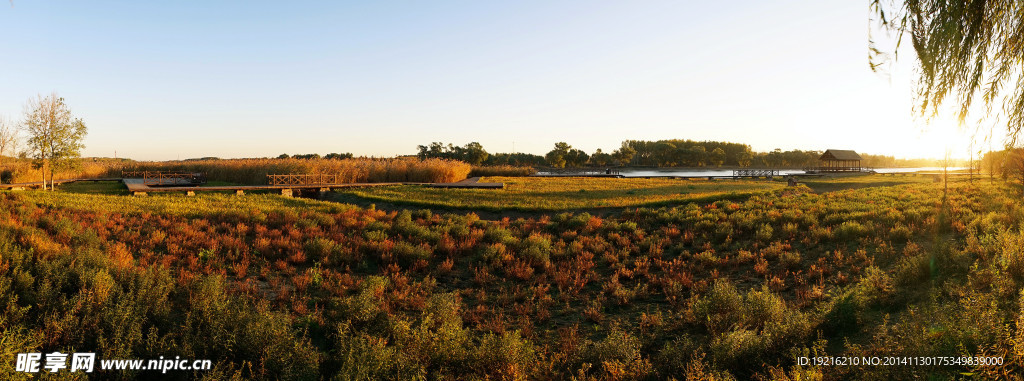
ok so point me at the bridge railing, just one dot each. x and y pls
(304, 179)
(166, 177)
(581, 171)
(838, 169)
(769, 173)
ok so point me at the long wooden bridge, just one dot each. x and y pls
(160, 178)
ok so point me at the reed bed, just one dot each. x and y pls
(23, 170)
(255, 171)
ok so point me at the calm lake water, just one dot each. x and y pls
(728, 172)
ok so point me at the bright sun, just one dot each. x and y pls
(942, 134)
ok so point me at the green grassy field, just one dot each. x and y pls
(94, 187)
(558, 194)
(270, 287)
(831, 184)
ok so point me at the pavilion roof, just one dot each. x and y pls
(840, 154)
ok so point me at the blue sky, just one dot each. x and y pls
(166, 80)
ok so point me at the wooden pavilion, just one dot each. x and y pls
(840, 160)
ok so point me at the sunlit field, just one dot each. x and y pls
(94, 187)
(556, 194)
(363, 191)
(270, 287)
(831, 184)
(357, 170)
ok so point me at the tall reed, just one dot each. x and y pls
(255, 171)
(24, 171)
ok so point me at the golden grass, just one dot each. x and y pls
(23, 171)
(255, 171)
(555, 193)
(831, 184)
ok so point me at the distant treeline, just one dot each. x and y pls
(313, 156)
(660, 153)
(475, 154)
(1008, 163)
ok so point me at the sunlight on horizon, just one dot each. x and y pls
(938, 136)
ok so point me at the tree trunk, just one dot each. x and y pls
(48, 168)
(44, 174)
(945, 182)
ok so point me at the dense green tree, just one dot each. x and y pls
(599, 158)
(473, 153)
(338, 156)
(624, 155)
(1013, 164)
(557, 157)
(576, 158)
(434, 150)
(700, 156)
(685, 156)
(665, 154)
(744, 158)
(716, 157)
(518, 158)
(653, 153)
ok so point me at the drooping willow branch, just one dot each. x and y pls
(965, 50)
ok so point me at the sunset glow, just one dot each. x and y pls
(339, 77)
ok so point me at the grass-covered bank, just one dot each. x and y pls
(283, 288)
(562, 194)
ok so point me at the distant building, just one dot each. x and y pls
(840, 160)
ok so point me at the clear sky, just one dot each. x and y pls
(180, 79)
